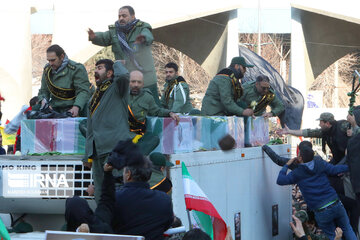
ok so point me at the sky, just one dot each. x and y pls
(273, 20)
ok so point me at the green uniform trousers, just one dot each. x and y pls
(98, 174)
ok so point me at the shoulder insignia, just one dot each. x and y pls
(112, 26)
(139, 23)
(72, 67)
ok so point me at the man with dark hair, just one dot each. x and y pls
(107, 120)
(140, 210)
(131, 41)
(281, 161)
(133, 210)
(142, 104)
(225, 90)
(311, 177)
(33, 102)
(257, 95)
(176, 96)
(196, 234)
(334, 135)
(65, 84)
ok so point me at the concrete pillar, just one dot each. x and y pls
(15, 61)
(232, 37)
(300, 65)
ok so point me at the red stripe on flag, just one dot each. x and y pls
(44, 132)
(194, 203)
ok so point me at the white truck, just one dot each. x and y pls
(240, 183)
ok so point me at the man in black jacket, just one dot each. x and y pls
(333, 134)
(138, 209)
(135, 209)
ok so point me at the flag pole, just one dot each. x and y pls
(188, 214)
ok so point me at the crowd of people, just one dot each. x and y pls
(330, 190)
(126, 92)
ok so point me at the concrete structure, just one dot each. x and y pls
(206, 32)
(201, 32)
(322, 33)
(15, 60)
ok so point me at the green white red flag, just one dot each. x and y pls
(4, 235)
(205, 213)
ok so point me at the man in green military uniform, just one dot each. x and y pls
(107, 122)
(176, 96)
(131, 41)
(257, 95)
(225, 90)
(65, 84)
(158, 180)
(142, 104)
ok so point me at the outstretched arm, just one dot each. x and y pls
(287, 130)
(281, 161)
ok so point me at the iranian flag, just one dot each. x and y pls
(4, 235)
(204, 212)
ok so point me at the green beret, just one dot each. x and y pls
(158, 159)
(241, 61)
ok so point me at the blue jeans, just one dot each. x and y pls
(335, 216)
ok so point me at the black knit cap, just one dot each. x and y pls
(126, 153)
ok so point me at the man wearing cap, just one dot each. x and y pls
(225, 90)
(257, 95)
(142, 104)
(158, 181)
(332, 132)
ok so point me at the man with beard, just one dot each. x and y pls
(131, 41)
(142, 104)
(334, 135)
(107, 117)
(225, 90)
(176, 96)
(257, 95)
(65, 84)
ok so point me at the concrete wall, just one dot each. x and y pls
(15, 60)
(203, 39)
(322, 33)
